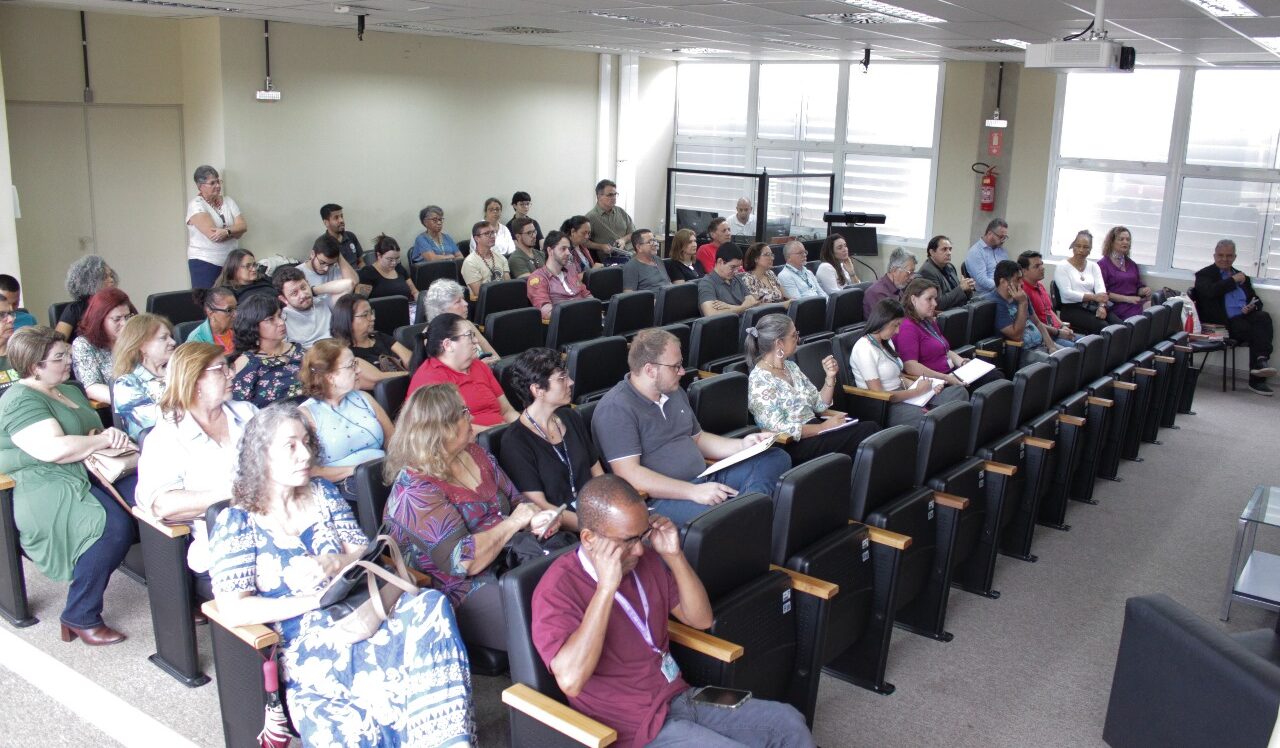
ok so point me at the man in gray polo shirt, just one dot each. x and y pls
(722, 290)
(644, 271)
(646, 431)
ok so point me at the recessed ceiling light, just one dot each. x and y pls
(172, 4)
(701, 51)
(854, 19)
(901, 14)
(632, 19)
(1225, 8)
(1272, 43)
(523, 30)
(1012, 43)
(425, 29)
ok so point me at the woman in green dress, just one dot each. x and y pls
(71, 528)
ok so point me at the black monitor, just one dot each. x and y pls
(861, 239)
(775, 227)
(698, 220)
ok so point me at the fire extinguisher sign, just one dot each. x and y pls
(995, 143)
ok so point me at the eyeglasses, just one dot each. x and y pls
(61, 358)
(369, 313)
(226, 370)
(212, 181)
(464, 413)
(435, 219)
(8, 315)
(561, 377)
(224, 310)
(350, 366)
(678, 366)
(485, 233)
(628, 543)
(325, 262)
(468, 334)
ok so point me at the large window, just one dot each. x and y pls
(877, 132)
(1180, 182)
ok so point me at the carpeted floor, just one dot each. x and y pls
(1030, 669)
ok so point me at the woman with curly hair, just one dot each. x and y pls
(268, 365)
(103, 321)
(275, 551)
(86, 276)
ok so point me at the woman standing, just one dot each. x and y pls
(1085, 302)
(240, 274)
(275, 549)
(876, 366)
(142, 355)
(268, 365)
(1120, 273)
(684, 250)
(86, 276)
(451, 358)
(219, 305)
(108, 312)
(214, 228)
(503, 243)
(836, 271)
(386, 276)
(759, 278)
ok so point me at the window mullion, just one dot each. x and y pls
(753, 117)
(1171, 210)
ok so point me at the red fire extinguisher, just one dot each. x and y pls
(987, 188)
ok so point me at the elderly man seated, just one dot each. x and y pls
(902, 265)
(797, 281)
(1224, 296)
(722, 290)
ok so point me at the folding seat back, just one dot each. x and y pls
(499, 296)
(490, 440)
(55, 311)
(990, 438)
(982, 321)
(410, 336)
(183, 330)
(954, 324)
(1139, 334)
(676, 303)
(1066, 363)
(713, 342)
(585, 412)
(752, 316)
(682, 333)
(499, 370)
(604, 283)
(1033, 415)
(720, 405)
(1117, 350)
(844, 310)
(1097, 385)
(515, 331)
(1167, 375)
(810, 317)
(371, 496)
(860, 403)
(629, 312)
(1144, 376)
(426, 273)
(573, 322)
(177, 306)
(813, 265)
(389, 313)
(809, 356)
(1071, 401)
(1033, 386)
(1182, 388)
(595, 366)
(390, 393)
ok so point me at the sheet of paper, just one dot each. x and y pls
(973, 371)
(847, 423)
(736, 457)
(927, 395)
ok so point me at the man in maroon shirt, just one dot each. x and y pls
(600, 625)
(1032, 264)
(556, 282)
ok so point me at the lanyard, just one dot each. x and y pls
(876, 342)
(641, 625)
(564, 458)
(928, 326)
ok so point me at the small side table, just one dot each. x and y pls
(1258, 582)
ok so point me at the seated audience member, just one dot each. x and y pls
(723, 290)
(902, 265)
(329, 274)
(526, 257)
(1014, 318)
(445, 295)
(684, 248)
(876, 365)
(1224, 296)
(451, 359)
(219, 304)
(549, 455)
(214, 227)
(1120, 273)
(103, 321)
(520, 204)
(923, 348)
(782, 399)
(242, 275)
(378, 355)
(86, 276)
(611, 227)
(556, 282)
(8, 375)
(433, 243)
(190, 457)
(797, 281)
(350, 426)
(385, 276)
(452, 510)
(503, 243)
(1085, 302)
(578, 229)
(305, 321)
(600, 626)
(663, 456)
(408, 683)
(73, 529)
(140, 371)
(743, 221)
(267, 367)
(718, 231)
(11, 291)
(645, 271)
(836, 271)
(953, 291)
(759, 278)
(337, 237)
(483, 265)
(985, 254)
(1032, 264)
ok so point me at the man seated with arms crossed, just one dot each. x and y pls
(722, 290)
(721, 235)
(646, 431)
(644, 271)
(329, 273)
(611, 227)
(798, 281)
(902, 265)
(1014, 319)
(556, 282)
(1032, 264)
(336, 235)
(600, 625)
(953, 291)
(305, 321)
(1224, 296)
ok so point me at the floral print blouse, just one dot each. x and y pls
(266, 379)
(434, 521)
(136, 396)
(768, 291)
(782, 407)
(91, 364)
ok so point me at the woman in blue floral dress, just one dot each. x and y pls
(267, 369)
(275, 550)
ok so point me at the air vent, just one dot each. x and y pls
(799, 45)
(529, 30)
(701, 51)
(854, 19)
(897, 13)
(633, 19)
(185, 6)
(424, 29)
(987, 49)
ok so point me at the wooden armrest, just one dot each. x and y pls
(704, 374)
(98, 405)
(1144, 372)
(1102, 401)
(809, 585)
(479, 327)
(1070, 420)
(885, 537)
(1183, 348)
(1038, 443)
(1012, 343)
(872, 394)
(782, 439)
(1126, 386)
(559, 717)
(999, 467)
(255, 634)
(6, 482)
(950, 500)
(983, 352)
(702, 642)
(546, 321)
(1164, 359)
(1197, 336)
(169, 531)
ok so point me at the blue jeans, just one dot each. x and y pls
(766, 724)
(203, 274)
(93, 569)
(756, 475)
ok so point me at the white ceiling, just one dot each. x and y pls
(1164, 32)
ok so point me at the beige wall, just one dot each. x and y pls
(9, 260)
(956, 190)
(658, 104)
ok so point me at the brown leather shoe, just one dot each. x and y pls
(98, 636)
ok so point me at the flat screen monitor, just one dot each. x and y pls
(861, 239)
(698, 220)
(775, 227)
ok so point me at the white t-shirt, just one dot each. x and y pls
(870, 361)
(742, 229)
(503, 242)
(315, 279)
(1073, 284)
(201, 247)
(828, 278)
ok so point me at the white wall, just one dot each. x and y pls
(10, 262)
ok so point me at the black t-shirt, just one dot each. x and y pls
(72, 313)
(684, 272)
(349, 247)
(533, 464)
(259, 286)
(380, 354)
(383, 286)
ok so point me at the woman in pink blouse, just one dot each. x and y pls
(1120, 273)
(920, 342)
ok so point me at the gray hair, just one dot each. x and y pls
(786, 249)
(204, 172)
(1225, 243)
(900, 259)
(430, 210)
(248, 491)
(995, 223)
(87, 275)
(440, 295)
(768, 331)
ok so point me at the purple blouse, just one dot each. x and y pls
(928, 346)
(1124, 282)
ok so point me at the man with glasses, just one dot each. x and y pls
(527, 257)
(985, 254)
(305, 321)
(600, 626)
(645, 428)
(797, 281)
(556, 282)
(611, 227)
(336, 235)
(483, 265)
(1224, 296)
(722, 290)
(8, 375)
(644, 271)
(328, 273)
(520, 204)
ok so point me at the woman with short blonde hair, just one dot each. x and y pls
(139, 362)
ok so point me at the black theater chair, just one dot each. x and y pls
(863, 404)
(713, 344)
(515, 331)
(390, 313)
(982, 334)
(676, 303)
(810, 317)
(499, 296)
(426, 273)
(390, 393)
(629, 312)
(752, 316)
(1033, 415)
(1116, 364)
(595, 366)
(604, 283)
(1072, 403)
(13, 582)
(410, 336)
(844, 310)
(183, 330)
(1188, 374)
(991, 439)
(954, 324)
(573, 322)
(1145, 377)
(809, 356)
(1097, 384)
(55, 311)
(720, 405)
(177, 306)
(1165, 364)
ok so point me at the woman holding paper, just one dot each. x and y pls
(782, 399)
(924, 350)
(876, 365)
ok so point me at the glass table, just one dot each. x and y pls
(1258, 581)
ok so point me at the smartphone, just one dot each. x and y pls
(559, 511)
(725, 698)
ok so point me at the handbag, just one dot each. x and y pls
(111, 465)
(356, 602)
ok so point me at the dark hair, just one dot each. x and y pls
(553, 238)
(384, 244)
(572, 224)
(329, 209)
(228, 275)
(327, 249)
(520, 196)
(9, 284)
(599, 496)
(93, 323)
(488, 201)
(728, 252)
(205, 296)
(828, 255)
(533, 367)
(753, 255)
(932, 246)
(1024, 259)
(1006, 270)
(477, 227)
(252, 310)
(884, 312)
(604, 184)
(637, 236)
(519, 224)
(995, 223)
(286, 274)
(440, 329)
(343, 316)
(715, 223)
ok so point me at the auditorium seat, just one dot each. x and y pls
(991, 439)
(809, 356)
(1120, 369)
(861, 403)
(1073, 409)
(572, 322)
(954, 324)
(390, 393)
(752, 317)
(720, 405)
(183, 330)
(13, 583)
(410, 336)
(844, 310)
(390, 313)
(426, 273)
(676, 303)
(55, 311)
(629, 312)
(810, 318)
(1095, 381)
(713, 343)
(499, 296)
(595, 366)
(515, 331)
(177, 306)
(604, 283)
(1033, 415)
(1145, 377)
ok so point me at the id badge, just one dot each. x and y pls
(669, 667)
